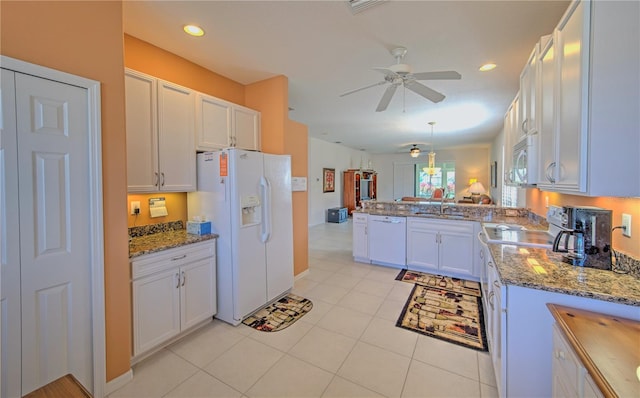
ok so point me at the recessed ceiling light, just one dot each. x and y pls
(487, 67)
(193, 30)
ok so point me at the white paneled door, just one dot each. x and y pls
(46, 275)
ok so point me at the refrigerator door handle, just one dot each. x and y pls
(266, 209)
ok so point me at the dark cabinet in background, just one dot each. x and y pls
(358, 185)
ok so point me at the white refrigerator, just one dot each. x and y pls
(247, 197)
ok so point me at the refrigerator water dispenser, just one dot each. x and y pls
(251, 211)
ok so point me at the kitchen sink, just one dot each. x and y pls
(504, 227)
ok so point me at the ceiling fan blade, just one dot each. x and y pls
(430, 94)
(442, 75)
(363, 88)
(386, 97)
(390, 75)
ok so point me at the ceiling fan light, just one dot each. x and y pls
(414, 152)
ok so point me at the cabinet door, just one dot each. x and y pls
(142, 132)
(246, 128)
(546, 114)
(177, 152)
(572, 56)
(360, 237)
(213, 123)
(156, 309)
(197, 292)
(456, 253)
(422, 249)
(527, 98)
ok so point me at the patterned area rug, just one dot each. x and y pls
(439, 281)
(445, 314)
(280, 314)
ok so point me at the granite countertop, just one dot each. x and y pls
(155, 242)
(544, 270)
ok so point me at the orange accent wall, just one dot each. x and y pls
(283, 136)
(271, 98)
(176, 207)
(85, 39)
(296, 144)
(147, 58)
(630, 246)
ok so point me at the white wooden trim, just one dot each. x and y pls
(118, 382)
(301, 275)
(96, 221)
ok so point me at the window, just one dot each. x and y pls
(445, 177)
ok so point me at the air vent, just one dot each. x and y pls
(358, 6)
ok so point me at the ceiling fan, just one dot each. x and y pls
(400, 74)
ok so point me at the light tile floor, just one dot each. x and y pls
(347, 346)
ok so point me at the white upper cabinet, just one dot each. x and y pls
(590, 96)
(529, 93)
(222, 124)
(160, 135)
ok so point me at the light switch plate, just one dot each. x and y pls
(626, 222)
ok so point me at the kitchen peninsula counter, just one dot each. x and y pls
(544, 270)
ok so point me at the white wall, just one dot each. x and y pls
(472, 162)
(323, 154)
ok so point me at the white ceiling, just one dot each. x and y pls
(325, 50)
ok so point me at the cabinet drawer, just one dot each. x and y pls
(361, 218)
(166, 259)
(464, 227)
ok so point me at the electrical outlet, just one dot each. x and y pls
(626, 222)
(135, 205)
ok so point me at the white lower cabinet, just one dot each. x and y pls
(442, 246)
(570, 378)
(173, 291)
(360, 238)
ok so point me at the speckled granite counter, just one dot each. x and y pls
(544, 270)
(154, 238)
(164, 240)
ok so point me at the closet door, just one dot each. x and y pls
(54, 210)
(10, 242)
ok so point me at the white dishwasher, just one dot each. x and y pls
(387, 240)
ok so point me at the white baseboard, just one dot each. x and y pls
(301, 275)
(118, 382)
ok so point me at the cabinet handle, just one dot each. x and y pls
(178, 280)
(162, 174)
(496, 284)
(184, 278)
(560, 355)
(481, 254)
(157, 184)
(548, 172)
(490, 263)
(365, 231)
(523, 126)
(491, 300)
(179, 257)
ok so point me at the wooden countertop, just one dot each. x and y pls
(608, 347)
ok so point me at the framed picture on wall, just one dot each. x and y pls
(328, 180)
(494, 174)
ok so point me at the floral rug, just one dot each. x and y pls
(445, 314)
(280, 314)
(444, 282)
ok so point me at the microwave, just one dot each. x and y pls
(524, 164)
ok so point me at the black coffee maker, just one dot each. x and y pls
(585, 237)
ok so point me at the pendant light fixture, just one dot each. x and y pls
(415, 151)
(432, 169)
